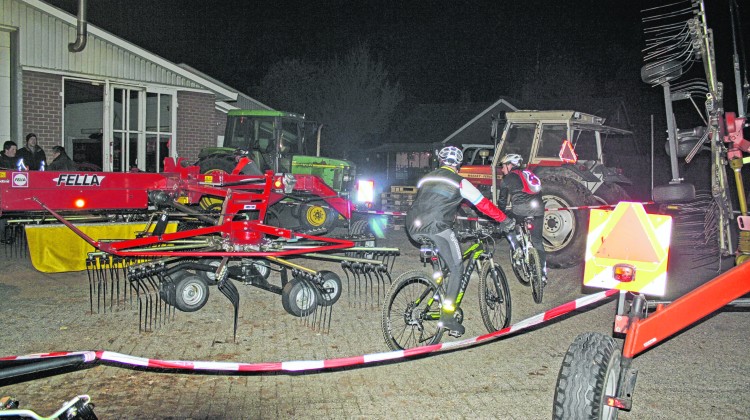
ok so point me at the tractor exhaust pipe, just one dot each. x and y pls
(81, 31)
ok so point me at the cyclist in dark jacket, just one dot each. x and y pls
(432, 216)
(522, 190)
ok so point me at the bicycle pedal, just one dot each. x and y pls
(455, 334)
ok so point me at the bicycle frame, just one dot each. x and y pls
(470, 260)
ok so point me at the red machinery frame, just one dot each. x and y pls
(57, 192)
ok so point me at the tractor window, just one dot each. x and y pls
(552, 139)
(290, 137)
(584, 144)
(518, 139)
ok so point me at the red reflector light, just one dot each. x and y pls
(614, 402)
(529, 226)
(623, 272)
(80, 203)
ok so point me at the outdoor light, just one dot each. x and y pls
(365, 191)
(80, 203)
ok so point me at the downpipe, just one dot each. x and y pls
(81, 29)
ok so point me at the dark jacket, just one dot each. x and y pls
(436, 204)
(32, 158)
(62, 163)
(7, 162)
(524, 190)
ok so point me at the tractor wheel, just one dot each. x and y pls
(191, 293)
(589, 372)
(610, 193)
(565, 230)
(216, 165)
(317, 215)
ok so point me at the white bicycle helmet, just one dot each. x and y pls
(512, 159)
(451, 156)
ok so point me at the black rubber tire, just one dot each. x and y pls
(299, 298)
(495, 303)
(216, 164)
(332, 282)
(210, 276)
(611, 193)
(565, 231)
(401, 329)
(359, 227)
(190, 293)
(535, 276)
(673, 193)
(590, 370)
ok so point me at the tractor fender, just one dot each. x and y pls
(566, 171)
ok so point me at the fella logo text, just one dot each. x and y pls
(79, 180)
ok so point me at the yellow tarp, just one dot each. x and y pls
(56, 249)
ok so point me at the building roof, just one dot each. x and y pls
(43, 47)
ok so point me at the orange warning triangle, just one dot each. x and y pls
(627, 239)
(567, 154)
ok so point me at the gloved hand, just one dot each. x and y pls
(506, 225)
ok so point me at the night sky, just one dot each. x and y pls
(438, 51)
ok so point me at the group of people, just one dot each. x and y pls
(31, 157)
(439, 195)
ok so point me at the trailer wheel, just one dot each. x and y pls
(589, 372)
(331, 288)
(299, 297)
(565, 230)
(191, 293)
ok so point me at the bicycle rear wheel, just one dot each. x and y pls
(535, 275)
(517, 265)
(411, 312)
(494, 297)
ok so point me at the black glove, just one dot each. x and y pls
(506, 225)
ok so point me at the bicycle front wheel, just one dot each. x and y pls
(494, 297)
(411, 312)
(534, 267)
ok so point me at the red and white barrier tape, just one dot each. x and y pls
(308, 365)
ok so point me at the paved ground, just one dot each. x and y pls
(702, 373)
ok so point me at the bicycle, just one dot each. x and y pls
(412, 310)
(524, 258)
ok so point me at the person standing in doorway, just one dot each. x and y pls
(32, 154)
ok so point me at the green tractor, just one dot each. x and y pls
(278, 141)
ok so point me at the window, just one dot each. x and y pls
(553, 136)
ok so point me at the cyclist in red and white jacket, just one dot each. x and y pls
(522, 190)
(432, 215)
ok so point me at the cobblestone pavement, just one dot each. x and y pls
(701, 373)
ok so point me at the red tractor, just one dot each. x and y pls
(565, 149)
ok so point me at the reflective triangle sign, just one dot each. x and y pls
(628, 235)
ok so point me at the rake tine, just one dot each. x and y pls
(228, 289)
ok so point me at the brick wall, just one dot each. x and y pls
(42, 109)
(196, 123)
